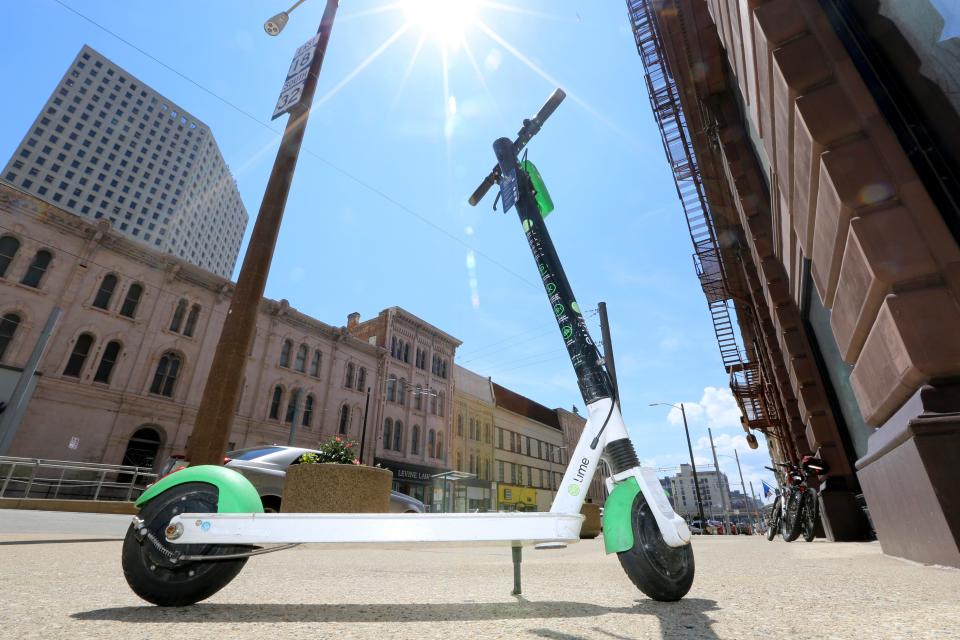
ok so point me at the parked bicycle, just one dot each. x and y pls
(796, 508)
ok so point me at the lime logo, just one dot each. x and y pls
(575, 306)
(543, 268)
(567, 331)
(527, 224)
(558, 309)
(573, 490)
(551, 288)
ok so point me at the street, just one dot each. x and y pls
(59, 586)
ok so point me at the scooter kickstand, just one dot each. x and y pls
(517, 553)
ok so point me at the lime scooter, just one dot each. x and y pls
(197, 528)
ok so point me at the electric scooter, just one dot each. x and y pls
(197, 527)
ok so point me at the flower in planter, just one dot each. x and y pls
(337, 450)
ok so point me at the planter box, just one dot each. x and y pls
(336, 488)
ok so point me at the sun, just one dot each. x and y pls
(444, 20)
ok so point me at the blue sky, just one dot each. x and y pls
(377, 215)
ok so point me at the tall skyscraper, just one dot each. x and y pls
(108, 146)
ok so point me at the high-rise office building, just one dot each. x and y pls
(105, 145)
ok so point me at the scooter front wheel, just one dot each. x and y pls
(149, 566)
(662, 572)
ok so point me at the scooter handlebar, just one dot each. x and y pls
(530, 129)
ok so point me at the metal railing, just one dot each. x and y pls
(64, 479)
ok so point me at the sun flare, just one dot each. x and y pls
(445, 20)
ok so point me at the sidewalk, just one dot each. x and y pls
(745, 588)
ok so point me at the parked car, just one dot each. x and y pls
(695, 529)
(709, 529)
(743, 528)
(266, 468)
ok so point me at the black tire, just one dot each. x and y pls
(662, 572)
(790, 524)
(149, 572)
(809, 514)
(774, 524)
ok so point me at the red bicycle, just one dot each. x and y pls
(796, 508)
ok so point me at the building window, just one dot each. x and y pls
(432, 443)
(300, 364)
(344, 420)
(107, 360)
(387, 433)
(165, 378)
(8, 327)
(441, 454)
(459, 461)
(486, 433)
(81, 349)
(460, 425)
(132, 299)
(433, 402)
(392, 388)
(177, 321)
(315, 364)
(361, 378)
(415, 440)
(397, 435)
(418, 398)
(8, 249)
(285, 353)
(275, 402)
(293, 405)
(307, 411)
(406, 352)
(402, 391)
(105, 292)
(34, 274)
(348, 379)
(191, 325)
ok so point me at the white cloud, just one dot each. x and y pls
(716, 409)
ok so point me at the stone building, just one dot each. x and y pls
(414, 407)
(107, 146)
(124, 371)
(472, 444)
(815, 150)
(714, 492)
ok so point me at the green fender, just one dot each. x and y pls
(618, 516)
(236, 494)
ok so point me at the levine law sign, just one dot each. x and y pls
(292, 91)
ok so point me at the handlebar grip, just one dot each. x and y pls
(481, 191)
(550, 105)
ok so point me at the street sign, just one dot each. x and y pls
(74, 443)
(292, 90)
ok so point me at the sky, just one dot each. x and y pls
(411, 96)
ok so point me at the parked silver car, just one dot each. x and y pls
(266, 468)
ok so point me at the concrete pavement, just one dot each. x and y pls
(745, 588)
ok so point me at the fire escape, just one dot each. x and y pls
(746, 376)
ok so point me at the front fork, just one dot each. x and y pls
(605, 430)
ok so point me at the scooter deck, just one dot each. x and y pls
(373, 528)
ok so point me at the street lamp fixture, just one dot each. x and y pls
(275, 25)
(693, 465)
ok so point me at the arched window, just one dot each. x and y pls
(387, 433)
(432, 443)
(441, 407)
(315, 363)
(397, 435)
(8, 250)
(392, 388)
(418, 398)
(293, 406)
(361, 378)
(275, 402)
(440, 452)
(8, 327)
(402, 391)
(460, 424)
(433, 402)
(165, 378)
(415, 440)
(472, 428)
(109, 358)
(285, 353)
(177, 321)
(81, 349)
(393, 346)
(142, 449)
(406, 352)
(300, 364)
(105, 292)
(344, 420)
(307, 411)
(131, 300)
(348, 379)
(191, 325)
(37, 268)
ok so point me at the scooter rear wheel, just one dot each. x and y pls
(662, 572)
(149, 570)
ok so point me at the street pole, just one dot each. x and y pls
(753, 496)
(716, 465)
(363, 431)
(214, 420)
(693, 466)
(749, 515)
